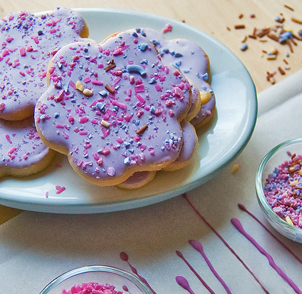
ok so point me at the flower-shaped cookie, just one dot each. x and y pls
(113, 108)
(22, 152)
(193, 62)
(28, 43)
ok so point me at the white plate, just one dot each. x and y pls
(219, 143)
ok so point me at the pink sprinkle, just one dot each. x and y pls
(71, 119)
(128, 117)
(46, 194)
(2, 106)
(65, 135)
(119, 140)
(8, 138)
(83, 133)
(87, 79)
(59, 126)
(72, 84)
(118, 51)
(139, 88)
(140, 99)
(5, 52)
(121, 105)
(11, 150)
(84, 119)
(167, 28)
(60, 189)
(36, 39)
(52, 31)
(22, 51)
(9, 39)
(22, 73)
(96, 82)
(60, 96)
(158, 88)
(95, 156)
(100, 162)
(105, 151)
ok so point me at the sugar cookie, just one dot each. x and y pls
(113, 108)
(193, 62)
(22, 152)
(28, 44)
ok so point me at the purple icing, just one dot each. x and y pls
(24, 64)
(115, 107)
(20, 145)
(191, 60)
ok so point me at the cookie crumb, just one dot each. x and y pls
(235, 168)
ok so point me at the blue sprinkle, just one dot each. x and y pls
(177, 64)
(243, 47)
(178, 55)
(136, 68)
(152, 81)
(127, 160)
(127, 145)
(100, 106)
(57, 115)
(152, 109)
(205, 76)
(144, 61)
(59, 65)
(166, 50)
(143, 47)
(103, 93)
(134, 34)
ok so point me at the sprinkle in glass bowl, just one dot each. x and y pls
(279, 188)
(117, 279)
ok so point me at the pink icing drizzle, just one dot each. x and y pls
(197, 245)
(236, 223)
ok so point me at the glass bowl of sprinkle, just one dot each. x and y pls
(96, 279)
(279, 188)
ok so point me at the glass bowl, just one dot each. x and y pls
(101, 274)
(267, 168)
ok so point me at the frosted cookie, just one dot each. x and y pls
(138, 180)
(113, 108)
(193, 62)
(28, 44)
(22, 152)
(190, 144)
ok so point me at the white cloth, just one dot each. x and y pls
(37, 247)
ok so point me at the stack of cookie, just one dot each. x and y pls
(121, 110)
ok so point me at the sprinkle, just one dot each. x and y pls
(103, 93)
(298, 21)
(105, 124)
(239, 26)
(109, 89)
(167, 28)
(136, 69)
(235, 168)
(22, 51)
(243, 47)
(142, 130)
(111, 171)
(60, 189)
(205, 97)
(79, 86)
(88, 93)
(110, 65)
(288, 7)
(2, 106)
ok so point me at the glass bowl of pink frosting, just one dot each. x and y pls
(96, 279)
(279, 188)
